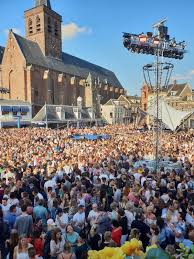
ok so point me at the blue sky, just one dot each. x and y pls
(92, 30)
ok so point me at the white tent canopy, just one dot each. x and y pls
(171, 117)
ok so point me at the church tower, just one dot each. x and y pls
(43, 25)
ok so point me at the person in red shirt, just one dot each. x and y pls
(116, 232)
(37, 242)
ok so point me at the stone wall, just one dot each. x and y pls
(14, 73)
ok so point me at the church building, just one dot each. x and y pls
(36, 70)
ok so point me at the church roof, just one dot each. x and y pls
(1, 53)
(69, 64)
(43, 2)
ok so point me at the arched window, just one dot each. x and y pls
(30, 26)
(56, 29)
(38, 23)
(49, 25)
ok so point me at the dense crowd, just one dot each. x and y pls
(61, 197)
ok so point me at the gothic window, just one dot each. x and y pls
(49, 25)
(37, 23)
(56, 29)
(30, 26)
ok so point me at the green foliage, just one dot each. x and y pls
(184, 252)
(192, 249)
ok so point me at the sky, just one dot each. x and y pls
(92, 30)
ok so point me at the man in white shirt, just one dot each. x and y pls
(5, 206)
(93, 214)
(129, 214)
(37, 195)
(182, 186)
(79, 218)
(61, 220)
(50, 183)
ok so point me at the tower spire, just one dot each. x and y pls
(43, 2)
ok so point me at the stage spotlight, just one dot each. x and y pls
(156, 41)
(149, 34)
(142, 38)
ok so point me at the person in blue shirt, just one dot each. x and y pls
(11, 216)
(190, 241)
(41, 212)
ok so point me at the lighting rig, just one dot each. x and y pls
(150, 44)
(156, 75)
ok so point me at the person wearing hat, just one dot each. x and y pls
(50, 224)
(61, 220)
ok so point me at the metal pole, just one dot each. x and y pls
(46, 116)
(18, 122)
(157, 114)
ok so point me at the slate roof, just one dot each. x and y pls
(178, 88)
(1, 53)
(52, 115)
(69, 64)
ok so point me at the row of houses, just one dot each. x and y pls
(179, 96)
(115, 111)
(123, 110)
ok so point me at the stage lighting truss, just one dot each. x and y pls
(164, 73)
(150, 45)
(156, 75)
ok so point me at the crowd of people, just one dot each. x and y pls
(61, 197)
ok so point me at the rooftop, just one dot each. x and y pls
(69, 64)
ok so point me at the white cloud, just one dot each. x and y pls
(15, 30)
(71, 30)
(187, 76)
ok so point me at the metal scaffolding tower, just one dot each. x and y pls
(156, 75)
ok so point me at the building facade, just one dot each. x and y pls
(179, 96)
(132, 104)
(36, 70)
(113, 112)
(123, 110)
